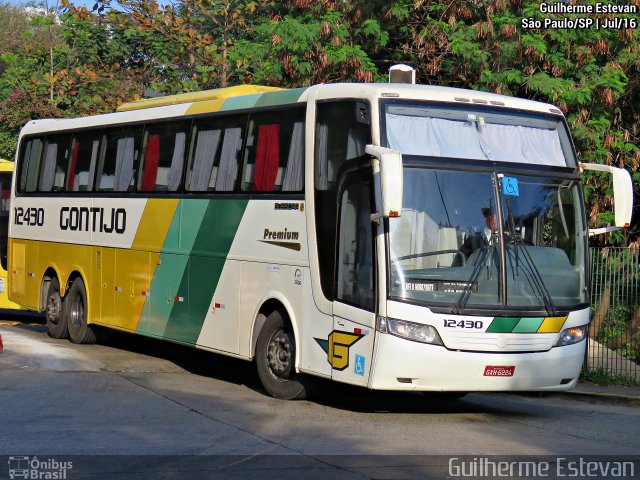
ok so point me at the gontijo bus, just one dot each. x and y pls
(393, 236)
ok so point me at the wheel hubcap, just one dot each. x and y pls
(280, 354)
(77, 312)
(53, 309)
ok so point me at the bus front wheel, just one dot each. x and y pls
(75, 309)
(275, 359)
(56, 320)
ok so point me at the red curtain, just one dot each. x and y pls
(267, 158)
(151, 164)
(72, 169)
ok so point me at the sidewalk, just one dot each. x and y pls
(613, 394)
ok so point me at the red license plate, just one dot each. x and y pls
(499, 371)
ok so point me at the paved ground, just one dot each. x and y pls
(135, 396)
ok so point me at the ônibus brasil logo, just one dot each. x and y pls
(35, 468)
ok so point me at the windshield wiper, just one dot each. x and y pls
(532, 274)
(460, 305)
(537, 282)
(534, 278)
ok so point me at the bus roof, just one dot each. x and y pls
(244, 97)
(216, 94)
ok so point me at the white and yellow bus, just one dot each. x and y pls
(393, 236)
(6, 172)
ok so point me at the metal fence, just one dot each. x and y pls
(614, 331)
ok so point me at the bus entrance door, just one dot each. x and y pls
(351, 342)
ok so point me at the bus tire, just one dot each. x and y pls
(75, 309)
(275, 360)
(54, 310)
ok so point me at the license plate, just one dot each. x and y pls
(499, 371)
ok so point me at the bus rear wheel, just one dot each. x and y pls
(275, 359)
(75, 309)
(56, 320)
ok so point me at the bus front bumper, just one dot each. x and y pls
(406, 365)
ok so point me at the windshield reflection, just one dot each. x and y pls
(446, 248)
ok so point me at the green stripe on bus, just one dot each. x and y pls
(166, 279)
(192, 215)
(164, 288)
(503, 325)
(172, 272)
(206, 261)
(238, 103)
(280, 98)
(528, 325)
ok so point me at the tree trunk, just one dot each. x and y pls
(223, 74)
(601, 312)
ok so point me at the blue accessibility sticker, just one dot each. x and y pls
(510, 186)
(358, 368)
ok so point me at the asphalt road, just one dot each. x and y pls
(132, 396)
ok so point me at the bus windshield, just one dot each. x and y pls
(446, 248)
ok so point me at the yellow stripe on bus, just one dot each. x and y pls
(552, 324)
(221, 93)
(208, 106)
(154, 224)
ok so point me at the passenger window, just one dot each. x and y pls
(31, 157)
(164, 153)
(215, 154)
(85, 150)
(57, 152)
(274, 154)
(120, 161)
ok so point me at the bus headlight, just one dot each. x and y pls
(417, 332)
(572, 335)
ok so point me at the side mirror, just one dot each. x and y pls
(622, 194)
(389, 166)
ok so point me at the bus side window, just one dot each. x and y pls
(120, 162)
(274, 157)
(215, 154)
(85, 149)
(56, 159)
(341, 135)
(164, 152)
(31, 157)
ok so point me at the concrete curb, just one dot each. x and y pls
(602, 397)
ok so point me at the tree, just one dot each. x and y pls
(591, 74)
(70, 73)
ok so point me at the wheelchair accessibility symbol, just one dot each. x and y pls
(358, 368)
(510, 186)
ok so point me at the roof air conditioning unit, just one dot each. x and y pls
(402, 74)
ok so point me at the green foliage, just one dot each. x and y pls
(614, 332)
(602, 376)
(19, 107)
(8, 143)
(616, 273)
